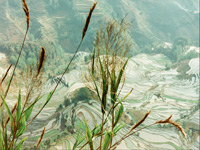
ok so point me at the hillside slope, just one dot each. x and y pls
(61, 21)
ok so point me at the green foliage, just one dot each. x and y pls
(107, 140)
(66, 101)
(105, 87)
(107, 71)
(176, 53)
(30, 61)
(21, 126)
(28, 110)
(118, 127)
(18, 123)
(89, 136)
(31, 53)
(19, 145)
(181, 41)
(19, 103)
(1, 139)
(7, 109)
(13, 59)
(96, 129)
(78, 137)
(106, 74)
(189, 55)
(119, 114)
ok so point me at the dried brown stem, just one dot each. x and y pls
(127, 135)
(5, 74)
(139, 122)
(178, 126)
(83, 146)
(172, 123)
(39, 141)
(58, 81)
(16, 64)
(132, 128)
(164, 121)
(157, 122)
(14, 108)
(84, 32)
(26, 10)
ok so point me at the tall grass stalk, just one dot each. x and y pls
(20, 113)
(107, 78)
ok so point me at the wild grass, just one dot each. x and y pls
(17, 119)
(106, 76)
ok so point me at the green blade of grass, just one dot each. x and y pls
(19, 145)
(105, 87)
(18, 113)
(118, 127)
(89, 136)
(103, 72)
(96, 130)
(46, 102)
(126, 95)
(7, 109)
(22, 127)
(1, 139)
(107, 140)
(120, 74)
(119, 114)
(96, 87)
(77, 137)
(28, 111)
(81, 140)
(112, 89)
(48, 99)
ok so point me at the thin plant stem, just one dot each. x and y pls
(8, 87)
(83, 146)
(112, 127)
(113, 107)
(58, 80)
(102, 129)
(24, 107)
(88, 142)
(6, 74)
(129, 134)
(16, 64)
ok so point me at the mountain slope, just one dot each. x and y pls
(61, 21)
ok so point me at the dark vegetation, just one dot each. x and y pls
(56, 56)
(176, 53)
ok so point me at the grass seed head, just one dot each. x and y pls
(87, 22)
(41, 60)
(26, 10)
